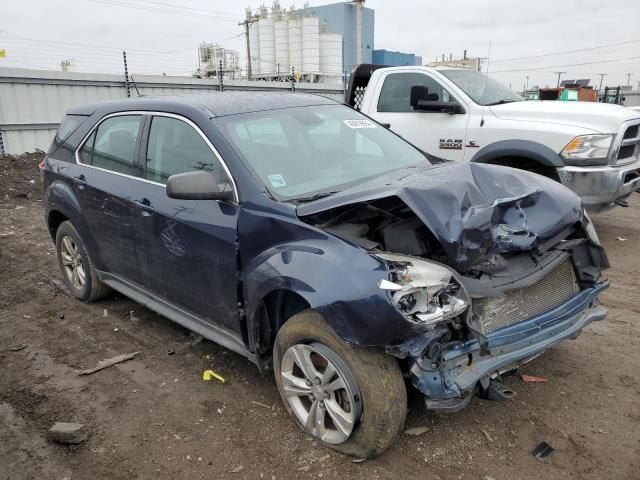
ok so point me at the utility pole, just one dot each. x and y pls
(293, 79)
(220, 75)
(247, 22)
(639, 85)
(126, 74)
(558, 73)
(602, 75)
(526, 85)
(628, 79)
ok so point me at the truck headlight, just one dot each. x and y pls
(588, 150)
(424, 290)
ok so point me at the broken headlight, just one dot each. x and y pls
(426, 291)
(590, 229)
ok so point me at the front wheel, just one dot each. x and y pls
(351, 399)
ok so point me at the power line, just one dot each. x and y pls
(565, 65)
(566, 51)
(121, 3)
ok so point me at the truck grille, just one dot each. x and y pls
(629, 149)
(523, 303)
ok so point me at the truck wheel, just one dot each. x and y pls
(352, 399)
(77, 269)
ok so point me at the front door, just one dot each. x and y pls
(104, 179)
(439, 134)
(186, 248)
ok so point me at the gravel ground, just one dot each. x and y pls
(154, 416)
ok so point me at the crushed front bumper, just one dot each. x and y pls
(601, 187)
(448, 384)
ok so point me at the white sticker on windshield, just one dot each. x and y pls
(359, 124)
(277, 181)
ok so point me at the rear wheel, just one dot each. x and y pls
(352, 399)
(77, 269)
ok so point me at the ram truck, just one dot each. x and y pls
(463, 115)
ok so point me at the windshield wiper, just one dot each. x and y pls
(500, 102)
(317, 196)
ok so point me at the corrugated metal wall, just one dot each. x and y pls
(32, 102)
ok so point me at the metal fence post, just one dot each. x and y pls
(220, 76)
(293, 79)
(2, 152)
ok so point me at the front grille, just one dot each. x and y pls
(631, 132)
(626, 152)
(629, 149)
(523, 303)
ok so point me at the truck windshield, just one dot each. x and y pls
(482, 89)
(304, 153)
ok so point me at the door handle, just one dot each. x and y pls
(80, 180)
(145, 206)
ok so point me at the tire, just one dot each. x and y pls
(86, 287)
(379, 387)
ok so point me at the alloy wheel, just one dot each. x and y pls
(321, 391)
(72, 262)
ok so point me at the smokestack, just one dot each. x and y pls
(359, 31)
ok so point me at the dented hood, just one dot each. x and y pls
(474, 210)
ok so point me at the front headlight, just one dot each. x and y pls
(588, 150)
(590, 229)
(425, 291)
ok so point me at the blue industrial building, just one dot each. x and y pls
(341, 18)
(395, 59)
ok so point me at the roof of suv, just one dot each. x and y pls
(218, 103)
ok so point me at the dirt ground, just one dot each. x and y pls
(154, 416)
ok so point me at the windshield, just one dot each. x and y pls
(482, 89)
(306, 152)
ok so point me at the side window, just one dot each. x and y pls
(396, 91)
(112, 146)
(175, 147)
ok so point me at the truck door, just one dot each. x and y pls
(437, 133)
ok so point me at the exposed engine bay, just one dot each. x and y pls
(507, 286)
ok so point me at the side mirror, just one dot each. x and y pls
(421, 100)
(198, 185)
(437, 106)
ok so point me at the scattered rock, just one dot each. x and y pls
(18, 347)
(416, 431)
(486, 434)
(304, 469)
(237, 469)
(67, 433)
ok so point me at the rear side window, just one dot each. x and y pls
(69, 125)
(113, 145)
(176, 147)
(395, 95)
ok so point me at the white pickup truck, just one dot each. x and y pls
(463, 115)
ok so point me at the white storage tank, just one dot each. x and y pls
(267, 46)
(310, 44)
(295, 43)
(331, 53)
(281, 28)
(254, 45)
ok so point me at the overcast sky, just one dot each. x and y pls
(163, 35)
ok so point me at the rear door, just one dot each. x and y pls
(106, 175)
(437, 133)
(186, 248)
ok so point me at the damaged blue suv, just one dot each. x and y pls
(310, 239)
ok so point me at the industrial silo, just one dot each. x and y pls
(281, 27)
(295, 43)
(267, 46)
(310, 44)
(331, 54)
(254, 45)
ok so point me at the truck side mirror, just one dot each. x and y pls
(421, 100)
(198, 185)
